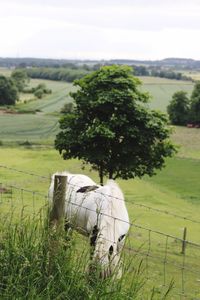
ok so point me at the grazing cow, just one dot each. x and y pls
(100, 213)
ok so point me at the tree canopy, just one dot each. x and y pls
(20, 79)
(179, 108)
(8, 91)
(195, 103)
(182, 109)
(112, 128)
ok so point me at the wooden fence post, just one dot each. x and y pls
(57, 218)
(184, 240)
(57, 213)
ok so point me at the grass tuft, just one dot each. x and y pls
(38, 263)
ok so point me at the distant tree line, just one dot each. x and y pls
(69, 74)
(35, 62)
(184, 110)
(159, 72)
(69, 70)
(58, 74)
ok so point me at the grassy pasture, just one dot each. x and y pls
(5, 71)
(164, 191)
(50, 103)
(193, 74)
(23, 98)
(27, 127)
(162, 89)
(188, 140)
(40, 128)
(170, 190)
(175, 189)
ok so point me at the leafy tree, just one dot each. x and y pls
(140, 70)
(40, 90)
(179, 108)
(67, 108)
(8, 91)
(112, 129)
(39, 93)
(20, 78)
(195, 103)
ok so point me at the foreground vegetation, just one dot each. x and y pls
(36, 263)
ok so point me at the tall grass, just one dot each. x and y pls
(38, 263)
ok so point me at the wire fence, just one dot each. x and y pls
(162, 254)
(130, 202)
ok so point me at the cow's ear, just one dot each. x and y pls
(121, 237)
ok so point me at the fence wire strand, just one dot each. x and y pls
(107, 215)
(148, 254)
(127, 201)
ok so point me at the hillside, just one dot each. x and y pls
(177, 63)
(42, 126)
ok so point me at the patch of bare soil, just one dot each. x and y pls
(4, 190)
(7, 112)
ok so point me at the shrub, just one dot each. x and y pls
(20, 79)
(67, 108)
(8, 91)
(39, 93)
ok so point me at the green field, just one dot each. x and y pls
(162, 89)
(193, 74)
(27, 127)
(43, 126)
(40, 126)
(5, 71)
(50, 103)
(174, 190)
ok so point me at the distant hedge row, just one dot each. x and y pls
(58, 74)
(69, 74)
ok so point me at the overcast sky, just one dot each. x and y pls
(100, 29)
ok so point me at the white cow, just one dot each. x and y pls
(99, 212)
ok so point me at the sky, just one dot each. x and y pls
(100, 29)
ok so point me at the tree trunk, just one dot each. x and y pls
(101, 174)
(110, 174)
